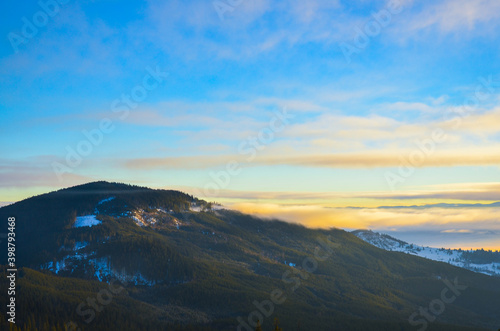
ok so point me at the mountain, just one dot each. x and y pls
(110, 256)
(486, 262)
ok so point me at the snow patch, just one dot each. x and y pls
(104, 271)
(105, 200)
(80, 244)
(88, 220)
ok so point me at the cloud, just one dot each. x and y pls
(35, 172)
(311, 11)
(70, 43)
(461, 191)
(460, 195)
(467, 195)
(456, 15)
(411, 106)
(482, 124)
(250, 29)
(282, 196)
(366, 160)
(438, 219)
(323, 128)
(457, 231)
(182, 162)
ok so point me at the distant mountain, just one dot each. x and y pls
(486, 262)
(186, 264)
(445, 205)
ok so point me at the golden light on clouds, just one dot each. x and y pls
(445, 220)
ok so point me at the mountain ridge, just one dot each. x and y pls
(486, 262)
(215, 264)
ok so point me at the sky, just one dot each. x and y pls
(316, 112)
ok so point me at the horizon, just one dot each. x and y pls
(317, 112)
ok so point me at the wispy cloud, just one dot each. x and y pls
(457, 231)
(371, 159)
(486, 195)
(34, 172)
(456, 15)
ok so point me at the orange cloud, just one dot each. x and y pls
(438, 219)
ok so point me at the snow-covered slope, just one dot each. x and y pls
(479, 261)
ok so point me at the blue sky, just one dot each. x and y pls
(225, 76)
